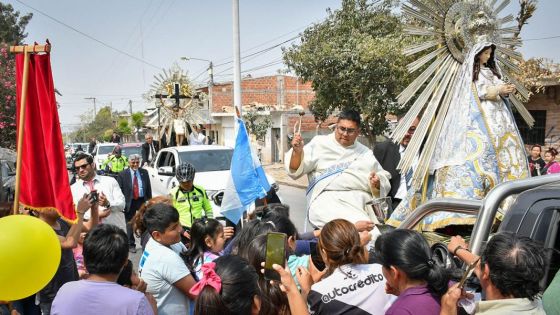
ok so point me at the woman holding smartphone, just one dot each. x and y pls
(410, 272)
(350, 285)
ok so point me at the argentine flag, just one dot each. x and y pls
(247, 181)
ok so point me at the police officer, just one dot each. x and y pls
(191, 201)
(116, 162)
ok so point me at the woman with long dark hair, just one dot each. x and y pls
(350, 285)
(410, 272)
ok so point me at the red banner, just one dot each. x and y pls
(44, 181)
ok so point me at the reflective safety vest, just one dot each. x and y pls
(116, 164)
(191, 205)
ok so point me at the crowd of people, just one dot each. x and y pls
(192, 263)
(347, 263)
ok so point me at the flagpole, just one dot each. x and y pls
(26, 50)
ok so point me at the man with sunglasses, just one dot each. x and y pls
(389, 155)
(109, 196)
(136, 188)
(343, 173)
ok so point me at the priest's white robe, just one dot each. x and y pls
(338, 179)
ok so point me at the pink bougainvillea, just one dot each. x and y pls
(7, 98)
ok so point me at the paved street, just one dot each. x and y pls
(295, 198)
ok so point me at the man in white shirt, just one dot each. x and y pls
(343, 173)
(196, 137)
(110, 198)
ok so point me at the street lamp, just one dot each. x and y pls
(210, 67)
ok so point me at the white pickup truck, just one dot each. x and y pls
(212, 165)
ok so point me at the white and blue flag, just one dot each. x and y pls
(247, 181)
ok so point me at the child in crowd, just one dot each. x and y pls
(350, 286)
(410, 272)
(283, 224)
(105, 255)
(161, 267)
(207, 243)
(276, 301)
(251, 230)
(229, 286)
(79, 257)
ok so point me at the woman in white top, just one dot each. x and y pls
(349, 286)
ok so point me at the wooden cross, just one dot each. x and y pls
(177, 96)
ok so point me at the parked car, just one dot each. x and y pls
(101, 153)
(212, 165)
(132, 148)
(7, 180)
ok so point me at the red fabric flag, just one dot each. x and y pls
(44, 181)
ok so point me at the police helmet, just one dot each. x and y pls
(185, 172)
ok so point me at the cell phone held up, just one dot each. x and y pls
(275, 254)
(93, 196)
(316, 257)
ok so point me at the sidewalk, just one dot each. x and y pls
(278, 172)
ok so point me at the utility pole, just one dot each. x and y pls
(94, 105)
(236, 59)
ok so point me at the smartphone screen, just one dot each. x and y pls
(275, 254)
(316, 257)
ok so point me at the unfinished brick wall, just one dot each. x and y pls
(270, 90)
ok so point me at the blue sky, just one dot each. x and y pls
(162, 31)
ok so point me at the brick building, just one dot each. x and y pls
(545, 108)
(281, 97)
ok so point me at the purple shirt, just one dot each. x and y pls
(417, 300)
(87, 297)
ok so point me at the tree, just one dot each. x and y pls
(102, 122)
(138, 120)
(354, 60)
(12, 32)
(122, 127)
(257, 124)
(536, 73)
(12, 26)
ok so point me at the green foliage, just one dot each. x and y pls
(12, 32)
(123, 128)
(138, 119)
(12, 26)
(354, 60)
(101, 123)
(257, 124)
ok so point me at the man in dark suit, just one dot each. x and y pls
(136, 188)
(150, 149)
(389, 155)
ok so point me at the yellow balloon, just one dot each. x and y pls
(29, 256)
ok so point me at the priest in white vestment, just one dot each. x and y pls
(343, 173)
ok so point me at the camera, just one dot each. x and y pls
(195, 198)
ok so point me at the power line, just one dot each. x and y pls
(89, 36)
(542, 38)
(262, 51)
(268, 41)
